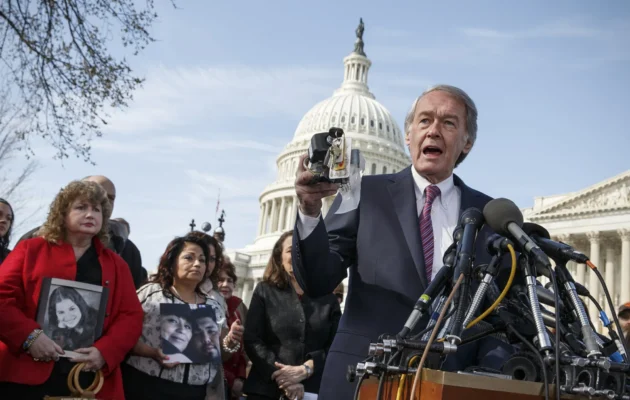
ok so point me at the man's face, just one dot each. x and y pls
(206, 338)
(437, 135)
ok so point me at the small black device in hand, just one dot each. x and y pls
(317, 151)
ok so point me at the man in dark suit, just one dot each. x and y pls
(393, 242)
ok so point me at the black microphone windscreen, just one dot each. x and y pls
(534, 229)
(499, 213)
(472, 216)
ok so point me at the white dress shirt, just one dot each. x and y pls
(444, 216)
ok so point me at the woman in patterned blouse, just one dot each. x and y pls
(149, 374)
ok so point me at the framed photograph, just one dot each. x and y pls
(71, 313)
(189, 333)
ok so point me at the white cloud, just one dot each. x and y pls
(180, 97)
(558, 29)
(170, 144)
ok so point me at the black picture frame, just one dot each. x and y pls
(90, 300)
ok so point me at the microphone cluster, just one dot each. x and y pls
(556, 339)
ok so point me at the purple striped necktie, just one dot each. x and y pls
(431, 192)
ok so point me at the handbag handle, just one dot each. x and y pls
(75, 386)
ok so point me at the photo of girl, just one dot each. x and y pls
(71, 321)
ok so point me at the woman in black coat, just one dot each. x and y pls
(287, 334)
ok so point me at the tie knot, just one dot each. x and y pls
(431, 192)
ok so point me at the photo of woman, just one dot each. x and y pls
(176, 330)
(71, 322)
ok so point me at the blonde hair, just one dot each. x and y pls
(54, 229)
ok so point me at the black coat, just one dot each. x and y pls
(282, 328)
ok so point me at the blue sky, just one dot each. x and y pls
(227, 84)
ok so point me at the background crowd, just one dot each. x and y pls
(149, 348)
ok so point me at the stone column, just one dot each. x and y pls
(282, 214)
(294, 211)
(272, 216)
(593, 282)
(247, 289)
(261, 222)
(625, 265)
(609, 275)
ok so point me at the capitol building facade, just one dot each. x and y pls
(595, 220)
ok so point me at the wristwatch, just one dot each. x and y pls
(309, 370)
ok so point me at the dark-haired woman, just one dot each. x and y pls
(287, 334)
(151, 374)
(70, 319)
(6, 223)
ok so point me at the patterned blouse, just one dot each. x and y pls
(151, 296)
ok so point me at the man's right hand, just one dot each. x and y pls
(310, 195)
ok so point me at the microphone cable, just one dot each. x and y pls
(611, 305)
(401, 382)
(416, 379)
(505, 291)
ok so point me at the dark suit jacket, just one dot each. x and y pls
(282, 328)
(379, 243)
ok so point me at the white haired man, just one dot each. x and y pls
(393, 242)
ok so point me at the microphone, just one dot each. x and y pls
(557, 250)
(471, 220)
(426, 299)
(547, 297)
(581, 290)
(497, 244)
(506, 219)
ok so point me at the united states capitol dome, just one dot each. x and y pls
(354, 108)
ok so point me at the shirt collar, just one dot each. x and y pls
(447, 186)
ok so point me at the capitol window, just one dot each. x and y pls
(380, 126)
(334, 118)
(373, 169)
(352, 120)
(343, 119)
(362, 121)
(372, 123)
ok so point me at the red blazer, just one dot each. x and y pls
(21, 277)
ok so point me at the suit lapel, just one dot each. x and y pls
(469, 197)
(403, 196)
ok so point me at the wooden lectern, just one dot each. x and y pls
(440, 385)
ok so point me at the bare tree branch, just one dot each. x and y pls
(64, 76)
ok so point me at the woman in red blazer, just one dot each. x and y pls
(70, 247)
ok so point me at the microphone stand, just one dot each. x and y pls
(590, 339)
(543, 341)
(491, 272)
